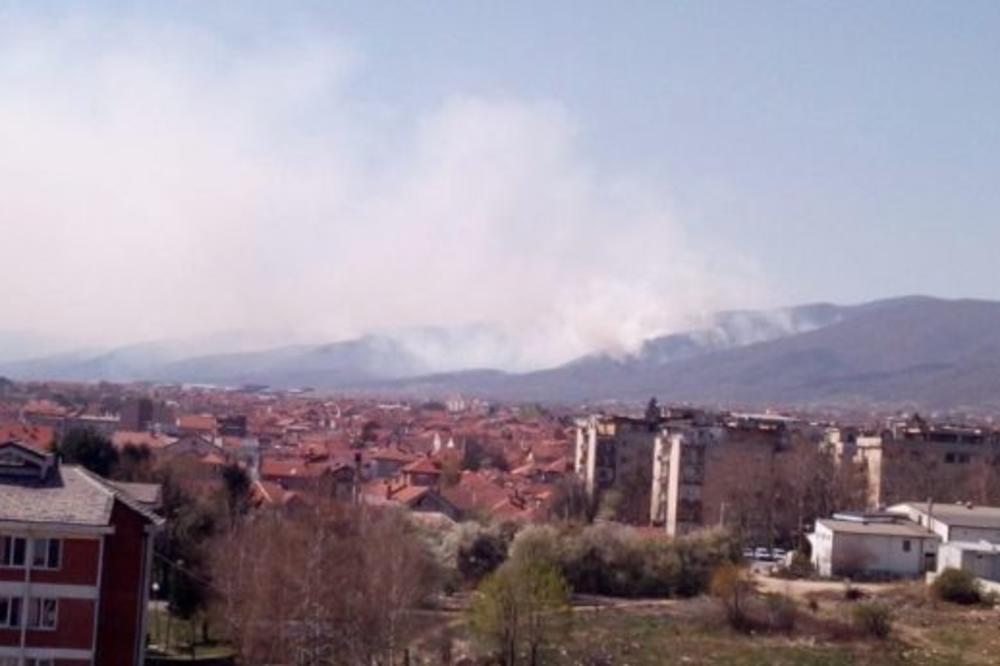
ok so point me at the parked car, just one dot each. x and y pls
(762, 554)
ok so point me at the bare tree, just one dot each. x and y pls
(329, 585)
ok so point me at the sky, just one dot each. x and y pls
(581, 175)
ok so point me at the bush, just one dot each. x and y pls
(781, 612)
(732, 585)
(616, 560)
(873, 619)
(957, 586)
(852, 593)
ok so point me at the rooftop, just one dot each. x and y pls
(902, 529)
(63, 494)
(958, 515)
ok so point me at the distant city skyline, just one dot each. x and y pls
(586, 175)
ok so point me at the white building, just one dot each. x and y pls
(878, 544)
(954, 522)
(970, 536)
(910, 539)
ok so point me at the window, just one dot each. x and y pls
(907, 545)
(45, 553)
(10, 612)
(42, 613)
(12, 551)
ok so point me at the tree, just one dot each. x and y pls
(570, 501)
(236, 486)
(653, 412)
(369, 432)
(90, 449)
(192, 521)
(451, 469)
(330, 586)
(733, 586)
(520, 609)
(135, 463)
(483, 553)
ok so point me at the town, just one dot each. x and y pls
(465, 333)
(117, 502)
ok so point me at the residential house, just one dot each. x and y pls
(75, 562)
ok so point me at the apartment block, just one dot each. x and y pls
(75, 559)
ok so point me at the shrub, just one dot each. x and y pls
(852, 593)
(873, 619)
(616, 560)
(781, 612)
(732, 585)
(957, 586)
(479, 549)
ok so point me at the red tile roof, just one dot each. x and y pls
(40, 437)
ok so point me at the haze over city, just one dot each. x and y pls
(472, 333)
(572, 178)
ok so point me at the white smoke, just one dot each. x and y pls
(156, 182)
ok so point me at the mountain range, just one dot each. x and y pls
(913, 350)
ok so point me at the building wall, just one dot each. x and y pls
(79, 564)
(73, 585)
(618, 454)
(122, 589)
(714, 475)
(974, 534)
(983, 565)
(947, 471)
(878, 553)
(821, 541)
(74, 627)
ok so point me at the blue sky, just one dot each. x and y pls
(837, 151)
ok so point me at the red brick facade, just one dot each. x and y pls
(122, 587)
(75, 554)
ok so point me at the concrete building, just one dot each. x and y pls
(616, 453)
(963, 522)
(910, 539)
(872, 544)
(914, 458)
(970, 537)
(685, 469)
(75, 561)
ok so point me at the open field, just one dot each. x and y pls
(925, 632)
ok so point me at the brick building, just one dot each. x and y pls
(75, 558)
